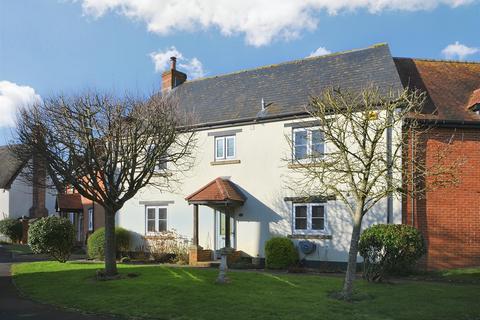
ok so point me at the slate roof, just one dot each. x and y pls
(218, 190)
(285, 87)
(10, 166)
(69, 202)
(449, 84)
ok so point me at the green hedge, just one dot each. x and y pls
(96, 243)
(390, 248)
(280, 253)
(12, 228)
(53, 236)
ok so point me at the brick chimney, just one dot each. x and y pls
(172, 78)
(38, 208)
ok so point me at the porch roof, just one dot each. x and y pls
(218, 191)
(69, 202)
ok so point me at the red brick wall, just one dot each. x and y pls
(449, 218)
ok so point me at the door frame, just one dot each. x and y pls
(216, 231)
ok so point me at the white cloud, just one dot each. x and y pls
(12, 98)
(321, 51)
(458, 51)
(192, 67)
(260, 21)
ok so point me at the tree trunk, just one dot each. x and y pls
(110, 247)
(352, 257)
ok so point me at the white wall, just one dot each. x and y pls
(262, 176)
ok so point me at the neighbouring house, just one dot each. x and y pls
(19, 197)
(448, 218)
(85, 215)
(238, 191)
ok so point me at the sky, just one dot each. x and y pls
(50, 47)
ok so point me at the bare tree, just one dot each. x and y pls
(107, 148)
(367, 135)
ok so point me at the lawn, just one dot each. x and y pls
(184, 293)
(18, 248)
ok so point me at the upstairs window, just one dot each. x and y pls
(225, 148)
(308, 143)
(309, 218)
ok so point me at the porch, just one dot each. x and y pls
(69, 206)
(224, 197)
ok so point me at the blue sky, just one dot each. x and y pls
(49, 47)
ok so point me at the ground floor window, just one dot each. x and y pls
(90, 219)
(309, 217)
(156, 219)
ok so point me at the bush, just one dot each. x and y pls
(167, 247)
(96, 243)
(53, 236)
(12, 229)
(390, 248)
(280, 253)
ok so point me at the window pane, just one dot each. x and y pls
(222, 224)
(318, 223)
(318, 211)
(317, 137)
(219, 148)
(300, 211)
(151, 213)
(162, 213)
(162, 225)
(230, 147)
(300, 137)
(301, 223)
(151, 225)
(300, 152)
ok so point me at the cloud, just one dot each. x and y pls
(458, 51)
(260, 21)
(193, 67)
(12, 98)
(321, 51)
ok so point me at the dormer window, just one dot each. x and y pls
(474, 102)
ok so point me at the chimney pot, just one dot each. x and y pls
(173, 63)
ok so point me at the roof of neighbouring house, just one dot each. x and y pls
(69, 202)
(10, 167)
(449, 84)
(218, 190)
(286, 87)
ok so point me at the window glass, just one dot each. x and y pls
(90, 219)
(318, 217)
(300, 140)
(230, 146)
(219, 148)
(317, 143)
(300, 217)
(151, 219)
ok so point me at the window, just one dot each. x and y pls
(308, 143)
(90, 219)
(224, 148)
(309, 217)
(156, 219)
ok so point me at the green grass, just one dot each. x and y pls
(466, 274)
(185, 293)
(18, 248)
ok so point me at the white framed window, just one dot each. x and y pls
(225, 147)
(308, 143)
(71, 217)
(156, 219)
(309, 218)
(90, 219)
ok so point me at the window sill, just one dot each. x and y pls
(310, 236)
(297, 165)
(223, 162)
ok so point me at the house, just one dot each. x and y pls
(18, 196)
(449, 218)
(238, 192)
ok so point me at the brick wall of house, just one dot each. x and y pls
(449, 218)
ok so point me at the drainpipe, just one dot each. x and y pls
(412, 138)
(389, 171)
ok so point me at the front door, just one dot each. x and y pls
(220, 230)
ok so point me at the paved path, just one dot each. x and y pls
(12, 306)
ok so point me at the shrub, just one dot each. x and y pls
(390, 248)
(168, 246)
(53, 236)
(96, 243)
(280, 253)
(12, 229)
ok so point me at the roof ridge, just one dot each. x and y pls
(440, 60)
(201, 189)
(376, 45)
(221, 187)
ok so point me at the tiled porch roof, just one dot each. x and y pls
(69, 202)
(218, 190)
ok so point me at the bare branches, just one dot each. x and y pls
(107, 148)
